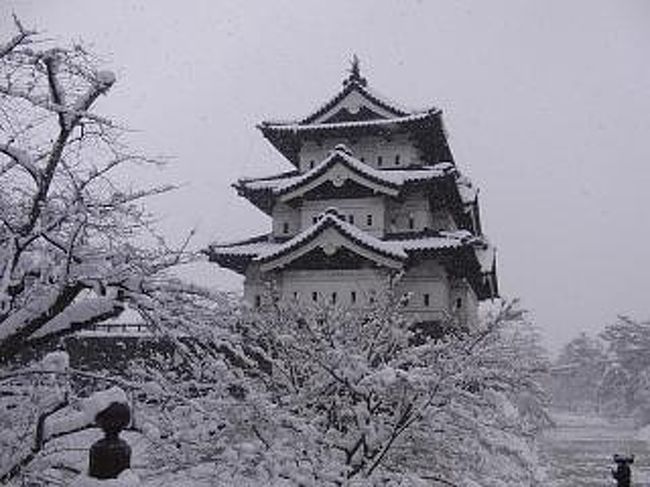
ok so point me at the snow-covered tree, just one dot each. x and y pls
(71, 227)
(626, 383)
(332, 397)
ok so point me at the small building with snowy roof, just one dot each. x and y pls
(374, 193)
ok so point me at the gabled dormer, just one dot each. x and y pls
(356, 102)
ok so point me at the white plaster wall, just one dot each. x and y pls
(467, 313)
(365, 283)
(415, 205)
(255, 285)
(283, 213)
(429, 277)
(359, 208)
(442, 220)
(368, 148)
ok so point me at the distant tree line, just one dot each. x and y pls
(608, 373)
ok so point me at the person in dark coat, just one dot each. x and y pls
(623, 473)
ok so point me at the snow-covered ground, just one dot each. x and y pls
(581, 447)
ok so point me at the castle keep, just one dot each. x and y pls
(374, 193)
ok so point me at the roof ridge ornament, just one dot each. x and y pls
(355, 74)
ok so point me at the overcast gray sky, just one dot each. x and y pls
(547, 105)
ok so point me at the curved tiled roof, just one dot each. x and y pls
(393, 178)
(331, 219)
(300, 126)
(262, 248)
(353, 83)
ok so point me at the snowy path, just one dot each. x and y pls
(580, 451)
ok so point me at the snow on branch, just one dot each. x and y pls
(79, 315)
(23, 159)
(22, 37)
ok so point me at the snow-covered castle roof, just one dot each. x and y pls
(357, 108)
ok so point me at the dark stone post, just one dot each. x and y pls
(111, 455)
(623, 473)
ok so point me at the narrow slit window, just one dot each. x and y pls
(314, 296)
(380, 161)
(397, 161)
(351, 219)
(362, 159)
(314, 219)
(427, 299)
(258, 300)
(459, 303)
(334, 297)
(353, 297)
(369, 220)
(312, 164)
(285, 227)
(296, 295)
(411, 223)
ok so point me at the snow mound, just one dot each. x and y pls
(56, 361)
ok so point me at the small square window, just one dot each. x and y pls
(427, 299)
(362, 159)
